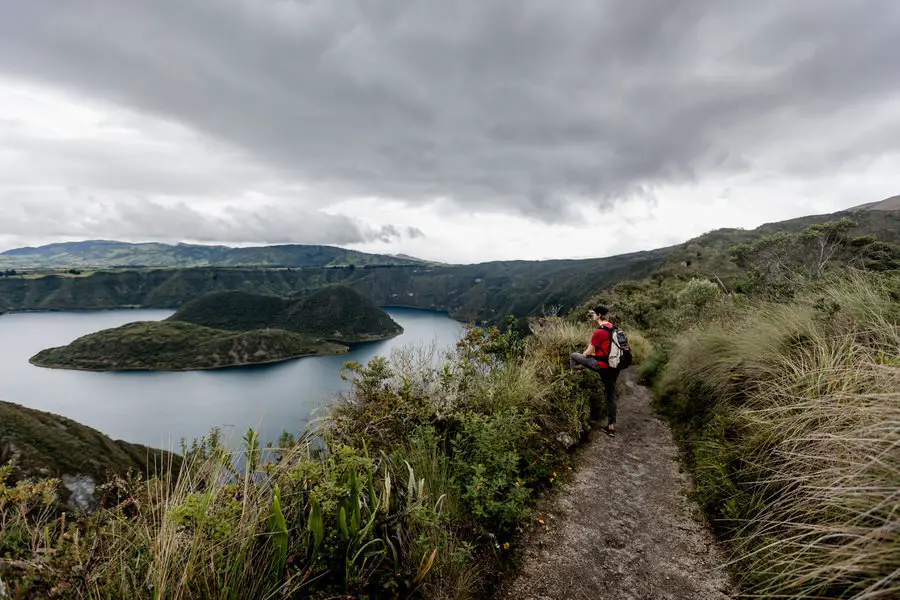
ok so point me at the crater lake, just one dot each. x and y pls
(160, 408)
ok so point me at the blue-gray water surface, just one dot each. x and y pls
(160, 408)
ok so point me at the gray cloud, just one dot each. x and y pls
(513, 105)
(25, 218)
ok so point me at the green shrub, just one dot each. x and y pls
(491, 464)
(698, 293)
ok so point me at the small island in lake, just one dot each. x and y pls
(230, 329)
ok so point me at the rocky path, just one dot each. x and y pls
(623, 527)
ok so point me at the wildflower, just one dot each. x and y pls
(569, 467)
(506, 545)
(554, 474)
(541, 521)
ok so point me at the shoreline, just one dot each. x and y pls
(186, 369)
(347, 348)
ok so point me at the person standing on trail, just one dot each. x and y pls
(596, 358)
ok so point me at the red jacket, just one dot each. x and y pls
(601, 340)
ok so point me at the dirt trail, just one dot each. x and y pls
(623, 528)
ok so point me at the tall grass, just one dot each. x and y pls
(794, 415)
(414, 482)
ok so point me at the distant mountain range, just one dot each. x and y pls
(484, 292)
(110, 254)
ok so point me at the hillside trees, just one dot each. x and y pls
(821, 243)
(776, 263)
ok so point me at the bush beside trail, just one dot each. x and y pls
(413, 486)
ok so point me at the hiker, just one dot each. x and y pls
(596, 358)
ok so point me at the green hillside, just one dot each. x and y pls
(175, 346)
(232, 311)
(335, 312)
(480, 292)
(338, 312)
(106, 254)
(709, 255)
(41, 443)
(229, 329)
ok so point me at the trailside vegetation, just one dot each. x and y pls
(792, 413)
(778, 364)
(413, 487)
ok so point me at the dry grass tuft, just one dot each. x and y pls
(807, 479)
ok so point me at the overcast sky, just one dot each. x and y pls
(455, 131)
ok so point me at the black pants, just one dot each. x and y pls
(607, 376)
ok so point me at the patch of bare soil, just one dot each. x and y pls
(623, 528)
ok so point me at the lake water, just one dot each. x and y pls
(160, 408)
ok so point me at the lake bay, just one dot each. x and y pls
(160, 408)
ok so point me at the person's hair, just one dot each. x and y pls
(601, 310)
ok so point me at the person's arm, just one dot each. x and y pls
(590, 350)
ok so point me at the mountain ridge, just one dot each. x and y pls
(116, 254)
(482, 292)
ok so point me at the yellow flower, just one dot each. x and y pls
(569, 468)
(554, 473)
(506, 546)
(541, 521)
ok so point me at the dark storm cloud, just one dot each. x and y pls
(512, 105)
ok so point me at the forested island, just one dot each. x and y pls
(230, 329)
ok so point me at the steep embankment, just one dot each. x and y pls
(710, 255)
(47, 445)
(172, 346)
